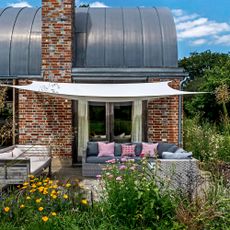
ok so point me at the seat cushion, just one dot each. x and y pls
(165, 147)
(101, 160)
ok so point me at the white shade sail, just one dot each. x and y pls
(103, 92)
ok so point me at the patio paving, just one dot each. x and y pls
(63, 170)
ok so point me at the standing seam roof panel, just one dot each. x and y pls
(7, 21)
(95, 38)
(35, 45)
(151, 38)
(19, 59)
(114, 39)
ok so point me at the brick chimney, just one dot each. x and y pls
(44, 119)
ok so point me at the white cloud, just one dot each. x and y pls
(223, 40)
(199, 42)
(97, 4)
(20, 4)
(199, 30)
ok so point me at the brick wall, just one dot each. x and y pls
(163, 116)
(43, 119)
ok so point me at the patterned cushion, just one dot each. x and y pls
(128, 150)
(149, 150)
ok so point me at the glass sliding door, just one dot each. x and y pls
(110, 121)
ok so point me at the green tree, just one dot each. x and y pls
(208, 71)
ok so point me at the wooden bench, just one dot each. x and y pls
(32, 159)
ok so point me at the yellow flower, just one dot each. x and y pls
(6, 209)
(54, 196)
(32, 190)
(55, 186)
(33, 185)
(22, 206)
(40, 189)
(25, 184)
(40, 209)
(28, 198)
(53, 191)
(31, 176)
(19, 186)
(53, 213)
(39, 183)
(68, 185)
(45, 192)
(65, 196)
(84, 201)
(45, 218)
(38, 200)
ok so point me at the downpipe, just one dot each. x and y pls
(180, 136)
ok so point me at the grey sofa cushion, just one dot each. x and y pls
(117, 149)
(92, 148)
(138, 148)
(165, 147)
(176, 155)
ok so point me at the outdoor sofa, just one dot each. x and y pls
(19, 161)
(181, 169)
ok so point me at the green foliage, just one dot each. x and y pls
(208, 71)
(206, 141)
(133, 198)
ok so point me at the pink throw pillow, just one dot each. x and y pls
(128, 150)
(149, 150)
(106, 149)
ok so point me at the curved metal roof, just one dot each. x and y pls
(125, 37)
(104, 37)
(20, 41)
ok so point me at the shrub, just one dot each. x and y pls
(134, 198)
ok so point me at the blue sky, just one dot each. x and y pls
(201, 24)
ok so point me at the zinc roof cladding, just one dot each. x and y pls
(20, 41)
(104, 38)
(125, 37)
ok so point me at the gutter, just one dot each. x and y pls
(180, 136)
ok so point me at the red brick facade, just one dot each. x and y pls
(43, 119)
(163, 116)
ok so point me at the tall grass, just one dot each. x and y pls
(208, 142)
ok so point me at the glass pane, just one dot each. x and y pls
(97, 122)
(122, 122)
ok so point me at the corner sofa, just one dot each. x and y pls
(180, 171)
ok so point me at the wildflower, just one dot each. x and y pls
(39, 183)
(53, 213)
(22, 206)
(28, 198)
(84, 201)
(68, 185)
(122, 167)
(110, 176)
(31, 176)
(38, 200)
(32, 190)
(45, 218)
(98, 176)
(133, 168)
(19, 186)
(119, 178)
(55, 186)
(40, 209)
(54, 196)
(112, 161)
(25, 184)
(53, 191)
(40, 189)
(33, 185)
(6, 209)
(123, 159)
(65, 196)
